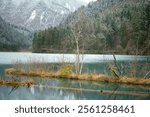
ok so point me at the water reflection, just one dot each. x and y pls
(56, 89)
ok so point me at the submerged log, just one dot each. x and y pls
(111, 92)
(88, 77)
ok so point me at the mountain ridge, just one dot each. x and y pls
(104, 26)
(37, 14)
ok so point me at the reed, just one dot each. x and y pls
(88, 77)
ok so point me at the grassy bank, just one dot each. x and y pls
(88, 77)
(16, 83)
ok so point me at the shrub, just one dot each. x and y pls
(66, 69)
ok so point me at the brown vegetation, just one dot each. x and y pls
(16, 83)
(89, 77)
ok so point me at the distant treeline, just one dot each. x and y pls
(6, 47)
(104, 26)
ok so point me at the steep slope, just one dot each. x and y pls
(13, 38)
(37, 14)
(104, 26)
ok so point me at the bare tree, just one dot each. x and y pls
(78, 60)
(80, 29)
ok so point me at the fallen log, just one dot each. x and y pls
(16, 83)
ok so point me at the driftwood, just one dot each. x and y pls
(16, 83)
(147, 74)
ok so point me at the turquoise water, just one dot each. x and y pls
(64, 89)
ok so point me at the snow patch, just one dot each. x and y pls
(74, 9)
(33, 15)
(68, 6)
(62, 12)
(41, 17)
(87, 1)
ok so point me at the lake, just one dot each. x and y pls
(64, 89)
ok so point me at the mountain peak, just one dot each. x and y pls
(37, 14)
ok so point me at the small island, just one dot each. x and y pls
(67, 73)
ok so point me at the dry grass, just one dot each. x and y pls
(16, 83)
(89, 77)
(15, 71)
(32, 64)
(136, 81)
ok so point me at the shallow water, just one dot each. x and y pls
(11, 57)
(64, 89)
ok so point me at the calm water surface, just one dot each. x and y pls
(52, 89)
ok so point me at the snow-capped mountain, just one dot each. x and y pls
(37, 14)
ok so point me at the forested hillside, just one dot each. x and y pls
(13, 38)
(104, 26)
